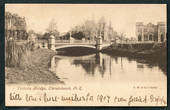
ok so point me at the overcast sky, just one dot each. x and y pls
(122, 16)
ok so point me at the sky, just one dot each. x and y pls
(122, 16)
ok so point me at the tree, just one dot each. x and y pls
(86, 30)
(101, 27)
(110, 32)
(89, 29)
(122, 36)
(15, 26)
(46, 36)
(31, 32)
(39, 35)
(52, 29)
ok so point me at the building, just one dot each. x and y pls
(151, 32)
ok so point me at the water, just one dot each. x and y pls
(100, 73)
(103, 68)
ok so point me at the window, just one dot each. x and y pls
(139, 38)
(145, 37)
(150, 37)
(162, 37)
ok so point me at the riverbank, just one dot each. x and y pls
(155, 54)
(138, 50)
(35, 71)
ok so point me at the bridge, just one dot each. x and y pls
(98, 44)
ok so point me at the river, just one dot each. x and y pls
(103, 68)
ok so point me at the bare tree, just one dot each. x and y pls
(52, 28)
(89, 29)
(122, 37)
(101, 27)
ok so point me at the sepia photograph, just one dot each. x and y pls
(85, 54)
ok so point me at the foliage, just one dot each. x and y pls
(66, 36)
(16, 53)
(46, 36)
(39, 36)
(14, 21)
(78, 35)
(90, 30)
(15, 26)
(31, 32)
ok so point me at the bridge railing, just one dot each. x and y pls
(62, 41)
(106, 42)
(136, 42)
(76, 41)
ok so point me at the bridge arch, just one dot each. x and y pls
(69, 46)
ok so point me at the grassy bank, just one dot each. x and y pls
(36, 69)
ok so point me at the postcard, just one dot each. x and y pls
(85, 55)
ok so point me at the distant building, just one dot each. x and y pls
(151, 32)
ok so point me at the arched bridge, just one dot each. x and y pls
(59, 44)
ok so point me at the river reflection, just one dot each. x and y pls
(100, 67)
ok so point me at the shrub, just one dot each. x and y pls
(17, 55)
